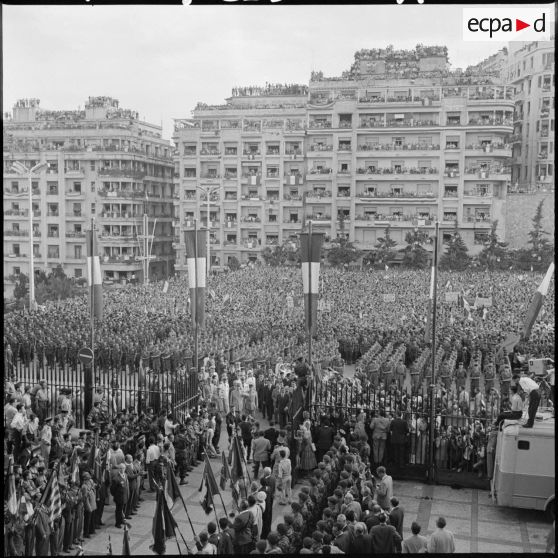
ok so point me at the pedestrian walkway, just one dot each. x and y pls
(478, 525)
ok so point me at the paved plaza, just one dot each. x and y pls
(478, 524)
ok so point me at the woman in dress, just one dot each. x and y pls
(307, 453)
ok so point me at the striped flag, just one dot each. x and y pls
(54, 502)
(536, 303)
(172, 492)
(196, 259)
(126, 542)
(74, 467)
(225, 473)
(94, 277)
(428, 328)
(310, 252)
(12, 502)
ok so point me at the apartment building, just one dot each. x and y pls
(103, 163)
(240, 166)
(398, 140)
(531, 72)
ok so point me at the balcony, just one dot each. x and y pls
(494, 173)
(250, 244)
(119, 215)
(500, 150)
(390, 149)
(490, 122)
(13, 233)
(320, 148)
(74, 173)
(16, 213)
(230, 242)
(123, 173)
(127, 194)
(319, 125)
(318, 197)
(477, 222)
(210, 153)
(320, 173)
(416, 173)
(75, 235)
(118, 261)
(406, 196)
(319, 217)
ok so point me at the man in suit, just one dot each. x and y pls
(272, 434)
(324, 439)
(396, 515)
(120, 491)
(362, 541)
(269, 486)
(385, 539)
(399, 431)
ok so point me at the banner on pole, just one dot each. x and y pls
(483, 301)
(452, 297)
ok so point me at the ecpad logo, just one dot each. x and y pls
(506, 24)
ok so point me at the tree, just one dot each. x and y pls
(384, 248)
(234, 264)
(21, 290)
(494, 254)
(343, 252)
(456, 257)
(275, 256)
(540, 249)
(416, 256)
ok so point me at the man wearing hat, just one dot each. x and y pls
(120, 491)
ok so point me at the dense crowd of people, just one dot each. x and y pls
(253, 343)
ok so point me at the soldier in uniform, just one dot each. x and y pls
(180, 444)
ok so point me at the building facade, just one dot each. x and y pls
(531, 72)
(105, 164)
(398, 141)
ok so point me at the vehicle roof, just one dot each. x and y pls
(543, 428)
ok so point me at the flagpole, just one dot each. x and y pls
(432, 471)
(89, 379)
(195, 302)
(310, 293)
(220, 495)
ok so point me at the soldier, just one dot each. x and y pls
(42, 400)
(180, 444)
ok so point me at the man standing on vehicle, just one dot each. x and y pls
(534, 399)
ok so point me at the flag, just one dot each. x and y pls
(74, 467)
(172, 492)
(310, 251)
(94, 277)
(428, 328)
(196, 259)
(12, 502)
(225, 473)
(255, 180)
(54, 502)
(126, 542)
(25, 507)
(507, 345)
(164, 525)
(236, 465)
(91, 460)
(536, 303)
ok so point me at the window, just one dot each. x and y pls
(16, 249)
(17, 270)
(398, 141)
(77, 273)
(93, 208)
(273, 218)
(92, 165)
(53, 252)
(523, 444)
(53, 210)
(77, 252)
(53, 231)
(52, 188)
(77, 228)
(36, 250)
(77, 187)
(189, 172)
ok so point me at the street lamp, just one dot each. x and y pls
(208, 191)
(20, 168)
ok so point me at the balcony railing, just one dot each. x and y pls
(490, 122)
(392, 195)
(311, 196)
(404, 170)
(324, 170)
(402, 147)
(16, 212)
(318, 217)
(129, 173)
(75, 234)
(16, 233)
(121, 194)
(212, 152)
(321, 148)
(397, 123)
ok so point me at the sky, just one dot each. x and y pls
(162, 60)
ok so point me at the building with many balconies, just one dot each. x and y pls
(531, 72)
(397, 140)
(103, 163)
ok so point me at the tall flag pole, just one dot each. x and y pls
(310, 252)
(537, 303)
(195, 257)
(95, 284)
(433, 301)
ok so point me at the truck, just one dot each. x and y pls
(524, 474)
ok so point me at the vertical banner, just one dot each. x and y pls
(196, 252)
(310, 252)
(537, 303)
(94, 278)
(428, 328)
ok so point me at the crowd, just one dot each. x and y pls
(343, 508)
